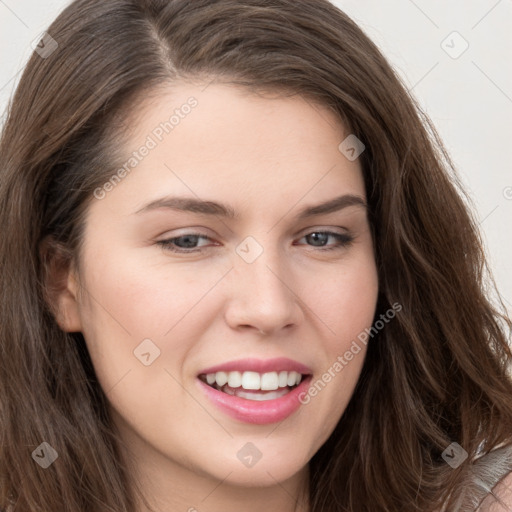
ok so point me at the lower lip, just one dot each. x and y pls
(257, 412)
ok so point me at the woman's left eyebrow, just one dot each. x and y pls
(205, 207)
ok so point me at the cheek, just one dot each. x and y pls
(142, 300)
(344, 300)
(345, 306)
(130, 310)
(130, 300)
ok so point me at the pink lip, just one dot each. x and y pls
(250, 411)
(259, 365)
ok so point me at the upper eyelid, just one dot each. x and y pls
(205, 231)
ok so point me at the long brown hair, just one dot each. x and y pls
(437, 374)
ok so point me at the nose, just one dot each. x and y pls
(262, 295)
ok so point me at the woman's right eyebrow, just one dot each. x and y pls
(207, 207)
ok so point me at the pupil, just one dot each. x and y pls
(190, 240)
(316, 236)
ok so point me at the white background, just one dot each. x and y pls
(469, 98)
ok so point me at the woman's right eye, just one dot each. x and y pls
(189, 240)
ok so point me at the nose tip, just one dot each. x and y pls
(260, 297)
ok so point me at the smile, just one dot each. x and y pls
(253, 395)
(253, 385)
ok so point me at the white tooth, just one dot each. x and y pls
(221, 378)
(269, 381)
(292, 377)
(283, 379)
(251, 380)
(234, 379)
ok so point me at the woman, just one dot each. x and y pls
(177, 331)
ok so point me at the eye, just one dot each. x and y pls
(188, 240)
(344, 240)
(187, 243)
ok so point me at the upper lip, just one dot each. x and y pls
(259, 366)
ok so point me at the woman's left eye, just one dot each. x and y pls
(189, 240)
(344, 240)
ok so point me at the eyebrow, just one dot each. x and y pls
(187, 204)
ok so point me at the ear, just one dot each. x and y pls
(61, 285)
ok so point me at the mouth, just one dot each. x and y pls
(252, 385)
(257, 391)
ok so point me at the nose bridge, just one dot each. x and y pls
(261, 293)
(262, 265)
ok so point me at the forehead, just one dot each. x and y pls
(221, 140)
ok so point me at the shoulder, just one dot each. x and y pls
(500, 499)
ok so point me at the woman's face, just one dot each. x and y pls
(157, 321)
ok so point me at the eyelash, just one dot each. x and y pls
(345, 241)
